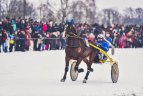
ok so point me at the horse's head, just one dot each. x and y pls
(73, 40)
(70, 30)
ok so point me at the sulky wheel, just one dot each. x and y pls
(114, 72)
(73, 72)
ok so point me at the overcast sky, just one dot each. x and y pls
(119, 4)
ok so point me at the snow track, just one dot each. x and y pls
(39, 73)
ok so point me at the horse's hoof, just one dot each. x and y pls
(91, 70)
(62, 80)
(80, 70)
(84, 81)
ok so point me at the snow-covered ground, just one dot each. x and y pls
(39, 73)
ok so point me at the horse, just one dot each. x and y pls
(77, 50)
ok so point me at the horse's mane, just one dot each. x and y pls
(71, 29)
(73, 39)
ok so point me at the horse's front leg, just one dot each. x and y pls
(89, 69)
(66, 69)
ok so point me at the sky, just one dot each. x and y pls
(101, 4)
(120, 4)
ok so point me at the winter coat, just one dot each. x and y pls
(27, 42)
(11, 37)
(4, 37)
(44, 28)
(51, 29)
(103, 45)
(36, 28)
(109, 39)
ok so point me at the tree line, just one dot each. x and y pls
(80, 11)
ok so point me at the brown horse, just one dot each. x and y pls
(77, 50)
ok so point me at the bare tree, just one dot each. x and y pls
(129, 15)
(64, 9)
(139, 13)
(46, 11)
(0, 8)
(84, 10)
(24, 8)
(16, 8)
(116, 16)
(107, 16)
(91, 5)
(79, 11)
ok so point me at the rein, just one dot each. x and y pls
(74, 36)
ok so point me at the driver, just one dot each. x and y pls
(103, 44)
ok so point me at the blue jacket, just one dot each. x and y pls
(103, 45)
(109, 39)
(37, 29)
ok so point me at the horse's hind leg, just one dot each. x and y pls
(66, 69)
(89, 69)
(89, 63)
(86, 76)
(77, 65)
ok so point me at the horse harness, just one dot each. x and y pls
(74, 36)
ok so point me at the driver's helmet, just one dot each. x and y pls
(100, 36)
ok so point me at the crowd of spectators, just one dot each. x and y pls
(27, 34)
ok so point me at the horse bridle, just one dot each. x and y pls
(74, 36)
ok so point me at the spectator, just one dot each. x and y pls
(4, 41)
(11, 42)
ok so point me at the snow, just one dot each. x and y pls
(39, 73)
